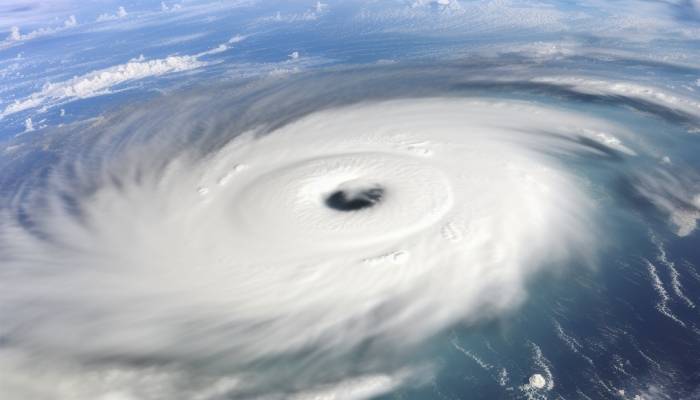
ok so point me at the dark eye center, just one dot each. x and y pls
(354, 199)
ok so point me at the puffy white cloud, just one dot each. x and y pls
(320, 7)
(165, 7)
(121, 13)
(17, 36)
(309, 15)
(14, 34)
(70, 22)
(28, 125)
(100, 81)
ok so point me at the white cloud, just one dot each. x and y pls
(309, 15)
(488, 16)
(17, 36)
(529, 214)
(164, 7)
(222, 47)
(320, 6)
(294, 55)
(70, 22)
(240, 38)
(100, 81)
(629, 89)
(218, 49)
(14, 34)
(121, 13)
(28, 125)
(356, 388)
(442, 4)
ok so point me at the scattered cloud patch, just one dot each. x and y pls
(320, 7)
(14, 34)
(628, 89)
(17, 36)
(674, 195)
(70, 22)
(240, 38)
(439, 4)
(121, 13)
(488, 16)
(218, 49)
(311, 14)
(28, 125)
(281, 68)
(99, 82)
(294, 55)
(222, 47)
(165, 7)
(549, 50)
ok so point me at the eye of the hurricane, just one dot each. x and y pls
(354, 198)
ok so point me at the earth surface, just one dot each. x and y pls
(398, 199)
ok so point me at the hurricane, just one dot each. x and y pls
(470, 220)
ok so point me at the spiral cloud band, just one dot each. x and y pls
(213, 247)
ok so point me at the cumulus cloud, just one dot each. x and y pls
(14, 34)
(310, 14)
(492, 16)
(165, 7)
(17, 36)
(70, 22)
(28, 125)
(121, 13)
(440, 4)
(320, 7)
(100, 81)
